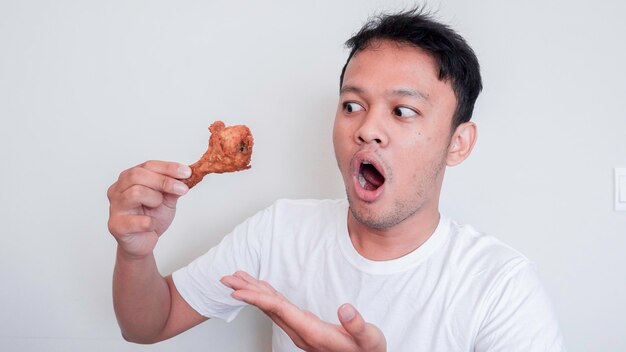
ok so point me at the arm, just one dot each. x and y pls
(148, 307)
(142, 206)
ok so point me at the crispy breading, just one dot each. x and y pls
(230, 149)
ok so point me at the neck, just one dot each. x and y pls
(392, 242)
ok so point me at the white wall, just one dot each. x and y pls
(88, 89)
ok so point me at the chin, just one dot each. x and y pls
(378, 216)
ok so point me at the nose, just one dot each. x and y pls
(372, 130)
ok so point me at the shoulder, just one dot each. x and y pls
(512, 308)
(486, 264)
(475, 250)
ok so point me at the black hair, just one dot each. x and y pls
(455, 58)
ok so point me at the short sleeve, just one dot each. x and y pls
(198, 283)
(519, 316)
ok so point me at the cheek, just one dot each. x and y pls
(341, 134)
(413, 142)
(417, 152)
(425, 140)
(336, 141)
(340, 144)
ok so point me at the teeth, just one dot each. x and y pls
(362, 180)
(367, 163)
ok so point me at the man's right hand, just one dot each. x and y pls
(143, 205)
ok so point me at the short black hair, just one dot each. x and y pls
(455, 58)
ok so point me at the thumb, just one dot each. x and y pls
(366, 336)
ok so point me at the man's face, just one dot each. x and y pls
(391, 133)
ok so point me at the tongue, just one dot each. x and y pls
(372, 176)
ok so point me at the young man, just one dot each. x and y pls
(382, 270)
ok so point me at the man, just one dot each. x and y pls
(382, 270)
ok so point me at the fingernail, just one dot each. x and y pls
(184, 171)
(225, 283)
(179, 188)
(347, 312)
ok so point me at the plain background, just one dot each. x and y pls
(88, 89)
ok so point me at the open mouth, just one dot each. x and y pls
(369, 177)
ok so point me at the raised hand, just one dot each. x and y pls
(143, 204)
(307, 330)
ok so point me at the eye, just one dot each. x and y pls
(402, 111)
(352, 107)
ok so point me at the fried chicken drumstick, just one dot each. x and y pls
(230, 149)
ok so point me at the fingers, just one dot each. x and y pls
(150, 184)
(143, 204)
(351, 320)
(244, 284)
(160, 176)
(367, 336)
(306, 330)
(262, 295)
(138, 195)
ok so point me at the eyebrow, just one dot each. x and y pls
(402, 92)
(351, 89)
(409, 92)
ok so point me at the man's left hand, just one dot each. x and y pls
(306, 330)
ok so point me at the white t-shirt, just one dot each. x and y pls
(459, 291)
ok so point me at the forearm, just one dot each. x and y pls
(141, 298)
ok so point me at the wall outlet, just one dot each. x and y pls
(620, 188)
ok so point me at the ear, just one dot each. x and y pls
(461, 143)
